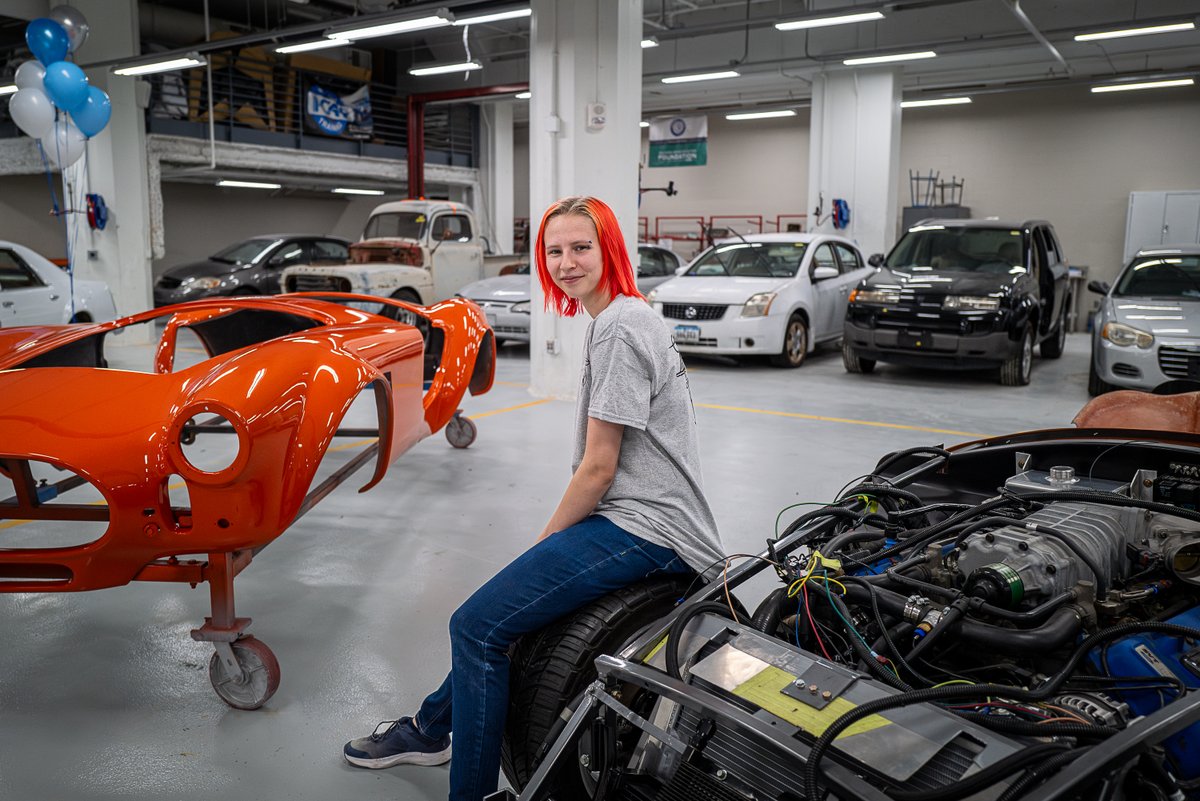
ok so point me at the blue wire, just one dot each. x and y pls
(849, 625)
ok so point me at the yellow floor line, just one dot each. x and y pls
(481, 415)
(824, 419)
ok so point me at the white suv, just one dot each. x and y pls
(765, 294)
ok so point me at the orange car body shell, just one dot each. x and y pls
(285, 397)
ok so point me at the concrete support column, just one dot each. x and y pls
(584, 52)
(116, 163)
(496, 173)
(854, 154)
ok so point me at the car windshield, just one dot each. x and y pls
(981, 250)
(247, 252)
(396, 225)
(753, 259)
(1163, 276)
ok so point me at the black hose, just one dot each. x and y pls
(984, 778)
(860, 648)
(1108, 499)
(904, 627)
(768, 614)
(1033, 775)
(881, 491)
(957, 692)
(676, 632)
(832, 547)
(1010, 725)
(890, 459)
(830, 511)
(949, 619)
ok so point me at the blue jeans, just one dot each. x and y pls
(553, 578)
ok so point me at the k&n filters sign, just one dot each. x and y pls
(679, 141)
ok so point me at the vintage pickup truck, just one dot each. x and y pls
(420, 251)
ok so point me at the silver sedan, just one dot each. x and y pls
(505, 298)
(1147, 331)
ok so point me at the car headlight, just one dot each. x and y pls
(758, 305)
(875, 296)
(652, 296)
(209, 282)
(971, 303)
(520, 308)
(1126, 336)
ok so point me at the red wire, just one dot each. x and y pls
(808, 611)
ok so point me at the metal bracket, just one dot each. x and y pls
(819, 686)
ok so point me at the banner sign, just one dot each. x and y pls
(346, 116)
(679, 141)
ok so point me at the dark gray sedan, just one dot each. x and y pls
(1147, 331)
(251, 267)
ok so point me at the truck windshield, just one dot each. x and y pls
(396, 225)
(1161, 276)
(754, 259)
(982, 250)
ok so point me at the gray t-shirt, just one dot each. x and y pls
(634, 376)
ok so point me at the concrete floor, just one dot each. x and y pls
(103, 695)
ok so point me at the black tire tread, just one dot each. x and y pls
(853, 362)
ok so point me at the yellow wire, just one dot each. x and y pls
(952, 681)
(832, 581)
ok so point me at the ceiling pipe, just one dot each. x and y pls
(1019, 13)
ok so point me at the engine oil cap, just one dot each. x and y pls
(1062, 474)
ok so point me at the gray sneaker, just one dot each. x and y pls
(397, 742)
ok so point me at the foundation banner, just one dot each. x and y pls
(679, 141)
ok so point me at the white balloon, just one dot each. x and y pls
(64, 145)
(73, 22)
(30, 75)
(32, 111)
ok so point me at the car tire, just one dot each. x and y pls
(795, 343)
(855, 363)
(1053, 346)
(1096, 384)
(393, 313)
(1017, 371)
(551, 667)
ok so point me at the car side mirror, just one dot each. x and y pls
(1099, 287)
(824, 273)
(876, 260)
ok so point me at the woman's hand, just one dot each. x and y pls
(592, 479)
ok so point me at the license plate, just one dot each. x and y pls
(912, 339)
(687, 334)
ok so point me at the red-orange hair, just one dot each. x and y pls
(618, 276)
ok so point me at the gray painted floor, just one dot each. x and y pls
(103, 695)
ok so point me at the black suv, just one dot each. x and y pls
(962, 294)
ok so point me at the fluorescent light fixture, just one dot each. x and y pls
(389, 28)
(523, 95)
(320, 44)
(1129, 87)
(1175, 26)
(9, 89)
(496, 17)
(441, 69)
(191, 60)
(349, 190)
(824, 22)
(650, 41)
(941, 101)
(249, 184)
(701, 76)
(643, 124)
(854, 62)
(761, 115)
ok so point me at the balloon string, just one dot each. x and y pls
(49, 179)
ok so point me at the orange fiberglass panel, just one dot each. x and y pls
(280, 375)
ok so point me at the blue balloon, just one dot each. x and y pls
(93, 115)
(47, 40)
(66, 85)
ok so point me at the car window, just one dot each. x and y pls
(848, 256)
(753, 259)
(14, 273)
(823, 257)
(938, 247)
(451, 228)
(651, 262)
(1039, 252)
(290, 253)
(247, 252)
(329, 250)
(1162, 276)
(396, 225)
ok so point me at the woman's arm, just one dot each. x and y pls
(592, 478)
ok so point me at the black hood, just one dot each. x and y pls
(943, 282)
(203, 269)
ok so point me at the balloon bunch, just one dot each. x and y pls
(53, 102)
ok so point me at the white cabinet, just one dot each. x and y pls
(1161, 218)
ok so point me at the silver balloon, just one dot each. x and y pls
(64, 145)
(32, 111)
(73, 22)
(30, 75)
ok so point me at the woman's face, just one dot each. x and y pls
(574, 262)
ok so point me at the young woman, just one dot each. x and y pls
(634, 506)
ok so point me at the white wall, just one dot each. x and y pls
(25, 214)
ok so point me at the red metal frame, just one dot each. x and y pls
(755, 220)
(780, 224)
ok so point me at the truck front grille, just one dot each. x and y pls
(316, 283)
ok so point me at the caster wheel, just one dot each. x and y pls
(261, 678)
(461, 431)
